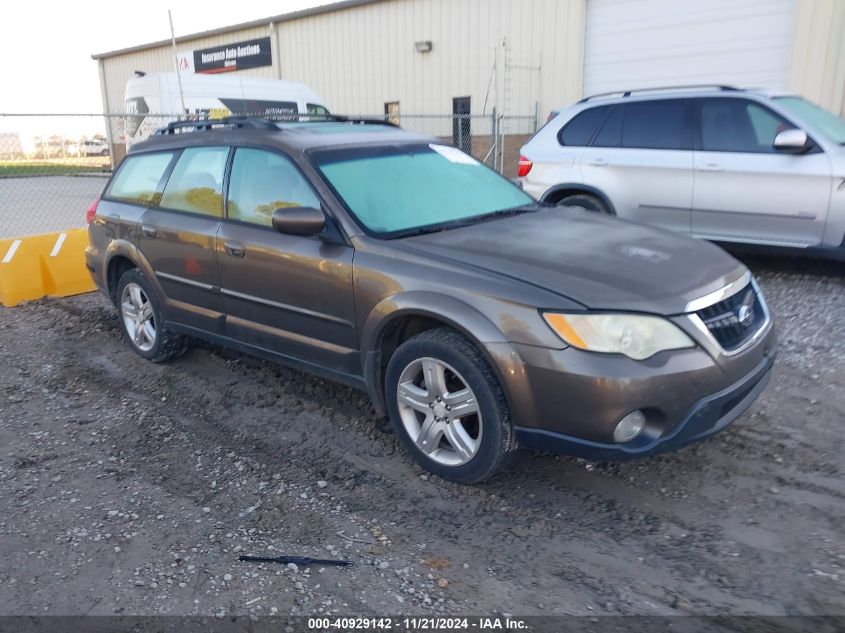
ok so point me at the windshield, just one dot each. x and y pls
(404, 189)
(829, 125)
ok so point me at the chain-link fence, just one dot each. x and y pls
(53, 166)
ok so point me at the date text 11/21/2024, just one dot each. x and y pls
(417, 624)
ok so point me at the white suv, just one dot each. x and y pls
(717, 162)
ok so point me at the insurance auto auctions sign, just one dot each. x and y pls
(237, 56)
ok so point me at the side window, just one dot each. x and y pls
(262, 182)
(655, 125)
(767, 125)
(581, 128)
(738, 125)
(610, 134)
(196, 184)
(137, 181)
(316, 110)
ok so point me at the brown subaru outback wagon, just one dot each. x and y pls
(478, 319)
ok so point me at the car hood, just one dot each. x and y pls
(601, 262)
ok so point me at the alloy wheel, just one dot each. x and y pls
(138, 317)
(439, 411)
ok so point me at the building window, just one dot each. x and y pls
(391, 112)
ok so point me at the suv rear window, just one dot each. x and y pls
(139, 178)
(582, 127)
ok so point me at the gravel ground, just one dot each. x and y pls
(132, 488)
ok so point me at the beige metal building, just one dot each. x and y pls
(521, 56)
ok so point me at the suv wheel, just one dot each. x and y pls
(590, 203)
(448, 408)
(142, 320)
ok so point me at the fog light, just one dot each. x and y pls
(629, 427)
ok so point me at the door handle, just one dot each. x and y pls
(233, 249)
(711, 167)
(598, 162)
(149, 231)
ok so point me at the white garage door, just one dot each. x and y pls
(647, 43)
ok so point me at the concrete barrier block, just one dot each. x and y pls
(38, 266)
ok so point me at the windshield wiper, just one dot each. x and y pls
(525, 208)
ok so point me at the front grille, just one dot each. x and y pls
(736, 319)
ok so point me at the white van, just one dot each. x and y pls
(153, 100)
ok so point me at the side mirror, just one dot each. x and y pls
(299, 220)
(792, 141)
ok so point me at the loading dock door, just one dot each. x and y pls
(647, 43)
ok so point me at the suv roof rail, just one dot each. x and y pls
(339, 118)
(262, 123)
(628, 93)
(207, 124)
(334, 118)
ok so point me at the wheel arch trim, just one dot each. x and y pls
(463, 318)
(581, 188)
(124, 248)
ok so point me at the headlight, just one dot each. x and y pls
(634, 335)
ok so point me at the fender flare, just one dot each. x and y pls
(588, 189)
(454, 313)
(125, 248)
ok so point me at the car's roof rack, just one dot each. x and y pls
(262, 122)
(253, 123)
(336, 118)
(628, 93)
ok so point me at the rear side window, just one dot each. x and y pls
(138, 179)
(655, 125)
(196, 184)
(262, 182)
(580, 130)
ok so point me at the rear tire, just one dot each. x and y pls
(585, 200)
(431, 377)
(142, 320)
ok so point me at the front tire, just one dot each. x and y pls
(448, 408)
(142, 320)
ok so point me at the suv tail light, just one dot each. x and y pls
(92, 211)
(525, 166)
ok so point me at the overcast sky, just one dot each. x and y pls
(46, 46)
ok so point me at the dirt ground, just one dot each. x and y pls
(132, 488)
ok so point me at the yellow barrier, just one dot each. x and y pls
(52, 265)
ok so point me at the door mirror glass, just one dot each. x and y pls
(299, 220)
(795, 141)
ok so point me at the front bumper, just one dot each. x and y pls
(569, 401)
(707, 416)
